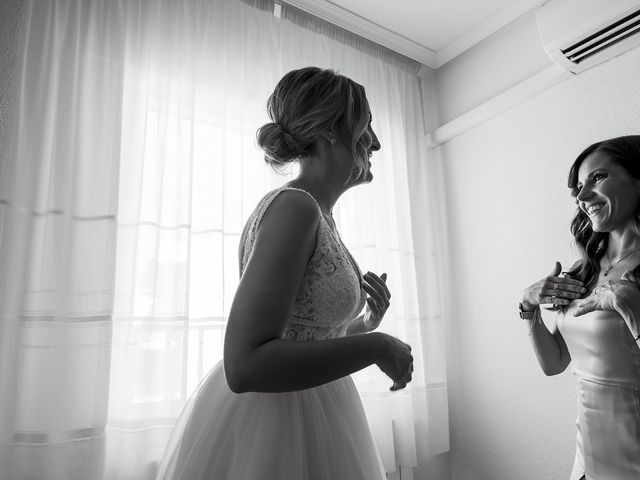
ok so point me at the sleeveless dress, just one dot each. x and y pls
(606, 362)
(320, 433)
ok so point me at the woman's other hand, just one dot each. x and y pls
(378, 299)
(612, 294)
(395, 360)
(553, 289)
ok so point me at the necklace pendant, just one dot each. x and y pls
(611, 265)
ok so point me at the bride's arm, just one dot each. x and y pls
(356, 326)
(256, 358)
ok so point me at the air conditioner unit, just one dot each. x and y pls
(578, 34)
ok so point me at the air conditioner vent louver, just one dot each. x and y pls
(604, 38)
(580, 34)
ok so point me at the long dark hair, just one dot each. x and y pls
(593, 245)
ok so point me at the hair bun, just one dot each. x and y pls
(280, 147)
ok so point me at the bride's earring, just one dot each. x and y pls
(329, 136)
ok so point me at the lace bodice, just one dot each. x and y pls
(331, 292)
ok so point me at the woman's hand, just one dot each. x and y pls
(611, 295)
(378, 300)
(553, 289)
(395, 361)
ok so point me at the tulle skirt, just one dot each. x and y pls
(316, 434)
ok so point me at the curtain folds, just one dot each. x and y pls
(128, 175)
(58, 207)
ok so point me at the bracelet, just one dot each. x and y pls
(635, 339)
(527, 314)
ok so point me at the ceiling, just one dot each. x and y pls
(429, 31)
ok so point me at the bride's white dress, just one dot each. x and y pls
(319, 433)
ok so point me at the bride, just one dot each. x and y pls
(281, 404)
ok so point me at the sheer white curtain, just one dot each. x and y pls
(58, 207)
(132, 169)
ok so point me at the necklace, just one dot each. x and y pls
(610, 266)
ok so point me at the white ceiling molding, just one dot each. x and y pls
(329, 11)
(484, 29)
(343, 18)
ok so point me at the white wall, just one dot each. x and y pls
(499, 62)
(509, 212)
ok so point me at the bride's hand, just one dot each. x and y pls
(378, 299)
(395, 360)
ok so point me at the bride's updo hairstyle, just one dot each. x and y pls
(308, 102)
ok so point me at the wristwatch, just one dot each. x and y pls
(526, 314)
